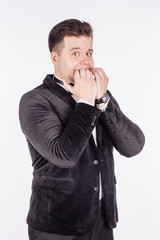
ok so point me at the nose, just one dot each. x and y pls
(85, 61)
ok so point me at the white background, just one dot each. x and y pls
(127, 46)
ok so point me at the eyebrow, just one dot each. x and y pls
(78, 48)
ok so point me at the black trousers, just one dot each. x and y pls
(100, 231)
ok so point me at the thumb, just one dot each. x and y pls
(68, 86)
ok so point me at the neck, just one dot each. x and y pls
(57, 77)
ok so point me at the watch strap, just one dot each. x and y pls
(104, 99)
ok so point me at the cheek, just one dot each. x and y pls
(73, 65)
(69, 68)
(92, 62)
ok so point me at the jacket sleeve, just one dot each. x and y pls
(127, 137)
(61, 145)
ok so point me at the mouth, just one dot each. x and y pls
(82, 67)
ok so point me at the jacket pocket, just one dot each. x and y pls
(53, 183)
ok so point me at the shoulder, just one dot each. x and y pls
(41, 91)
(34, 99)
(36, 92)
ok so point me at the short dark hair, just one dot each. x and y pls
(70, 27)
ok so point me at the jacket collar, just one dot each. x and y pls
(59, 91)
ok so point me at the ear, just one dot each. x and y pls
(54, 57)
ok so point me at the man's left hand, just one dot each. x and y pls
(101, 81)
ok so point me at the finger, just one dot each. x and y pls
(99, 71)
(94, 70)
(68, 86)
(89, 74)
(97, 75)
(76, 76)
(102, 72)
(84, 66)
(82, 73)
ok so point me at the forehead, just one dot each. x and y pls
(82, 42)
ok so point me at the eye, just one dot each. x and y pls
(76, 53)
(89, 54)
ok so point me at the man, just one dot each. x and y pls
(72, 122)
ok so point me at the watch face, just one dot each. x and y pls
(104, 99)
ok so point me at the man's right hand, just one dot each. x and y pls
(84, 87)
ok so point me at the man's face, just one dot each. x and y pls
(76, 54)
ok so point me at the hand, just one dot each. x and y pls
(85, 86)
(101, 81)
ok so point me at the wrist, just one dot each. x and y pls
(102, 100)
(85, 101)
(88, 99)
(101, 105)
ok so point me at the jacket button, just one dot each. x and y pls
(95, 162)
(96, 189)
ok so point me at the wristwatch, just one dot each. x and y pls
(103, 99)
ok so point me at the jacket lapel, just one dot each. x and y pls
(59, 91)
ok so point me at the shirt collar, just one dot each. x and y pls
(59, 83)
(57, 77)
